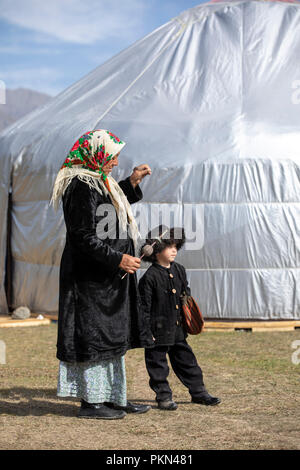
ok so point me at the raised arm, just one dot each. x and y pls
(130, 185)
(133, 194)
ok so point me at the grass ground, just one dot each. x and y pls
(251, 372)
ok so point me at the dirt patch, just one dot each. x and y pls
(251, 372)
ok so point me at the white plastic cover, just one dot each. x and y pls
(211, 101)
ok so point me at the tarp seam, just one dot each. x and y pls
(183, 26)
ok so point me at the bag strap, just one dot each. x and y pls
(182, 279)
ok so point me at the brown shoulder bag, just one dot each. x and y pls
(192, 316)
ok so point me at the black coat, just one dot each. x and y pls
(99, 313)
(161, 305)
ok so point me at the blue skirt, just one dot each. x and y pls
(95, 382)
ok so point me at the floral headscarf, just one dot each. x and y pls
(85, 160)
(93, 150)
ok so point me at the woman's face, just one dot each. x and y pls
(109, 165)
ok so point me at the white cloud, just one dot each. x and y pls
(77, 21)
(12, 49)
(44, 79)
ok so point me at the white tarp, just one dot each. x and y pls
(211, 101)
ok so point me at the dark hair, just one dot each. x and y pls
(168, 239)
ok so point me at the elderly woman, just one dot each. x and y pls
(99, 305)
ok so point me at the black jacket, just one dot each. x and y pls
(99, 313)
(160, 289)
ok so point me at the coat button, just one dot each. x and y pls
(171, 275)
(177, 322)
(174, 291)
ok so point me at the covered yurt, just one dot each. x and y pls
(211, 102)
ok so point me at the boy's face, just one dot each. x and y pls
(168, 254)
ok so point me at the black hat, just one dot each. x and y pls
(173, 235)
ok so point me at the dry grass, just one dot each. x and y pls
(251, 372)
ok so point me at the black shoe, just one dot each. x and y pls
(98, 411)
(206, 399)
(168, 405)
(131, 407)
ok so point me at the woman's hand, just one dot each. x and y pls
(130, 263)
(139, 172)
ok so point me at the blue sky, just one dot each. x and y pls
(49, 45)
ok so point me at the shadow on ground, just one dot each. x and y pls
(31, 402)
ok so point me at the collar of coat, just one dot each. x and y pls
(170, 269)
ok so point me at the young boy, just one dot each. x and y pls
(160, 288)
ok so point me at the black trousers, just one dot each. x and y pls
(184, 365)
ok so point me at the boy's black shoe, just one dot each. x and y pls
(168, 405)
(98, 411)
(131, 407)
(206, 399)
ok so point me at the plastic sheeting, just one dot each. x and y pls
(211, 101)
